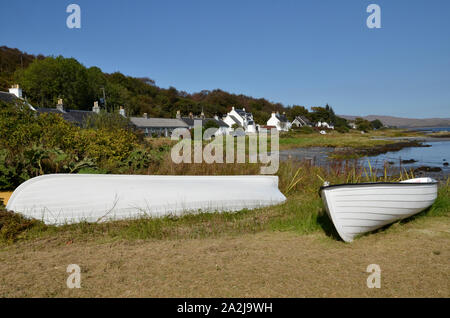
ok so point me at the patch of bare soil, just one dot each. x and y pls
(414, 261)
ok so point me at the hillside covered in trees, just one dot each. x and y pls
(46, 79)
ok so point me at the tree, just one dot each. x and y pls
(44, 81)
(363, 124)
(295, 111)
(376, 124)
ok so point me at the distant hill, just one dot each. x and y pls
(405, 122)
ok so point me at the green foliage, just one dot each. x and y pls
(108, 121)
(295, 111)
(13, 225)
(342, 129)
(46, 80)
(303, 130)
(363, 124)
(376, 124)
(33, 145)
(10, 61)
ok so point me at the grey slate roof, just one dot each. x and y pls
(142, 122)
(190, 121)
(281, 118)
(7, 97)
(76, 117)
(302, 120)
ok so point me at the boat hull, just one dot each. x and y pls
(360, 208)
(63, 198)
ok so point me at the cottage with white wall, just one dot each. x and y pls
(324, 124)
(279, 121)
(241, 118)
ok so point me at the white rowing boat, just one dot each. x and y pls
(363, 207)
(67, 198)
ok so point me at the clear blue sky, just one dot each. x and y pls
(294, 52)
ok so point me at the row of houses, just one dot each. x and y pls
(235, 118)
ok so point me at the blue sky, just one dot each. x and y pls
(294, 52)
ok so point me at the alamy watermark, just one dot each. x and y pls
(374, 279)
(188, 151)
(73, 21)
(374, 19)
(74, 279)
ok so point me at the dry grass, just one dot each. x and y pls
(4, 196)
(414, 263)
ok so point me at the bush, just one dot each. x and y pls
(304, 130)
(13, 225)
(342, 129)
(33, 145)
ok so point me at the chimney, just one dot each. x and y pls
(16, 90)
(178, 116)
(216, 117)
(273, 114)
(144, 115)
(243, 109)
(60, 105)
(232, 108)
(191, 115)
(122, 111)
(202, 115)
(96, 109)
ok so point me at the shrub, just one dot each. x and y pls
(33, 145)
(342, 129)
(304, 130)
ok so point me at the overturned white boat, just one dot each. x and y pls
(363, 207)
(67, 198)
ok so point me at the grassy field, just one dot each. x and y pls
(353, 139)
(413, 257)
(290, 250)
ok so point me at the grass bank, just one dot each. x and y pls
(302, 213)
(352, 139)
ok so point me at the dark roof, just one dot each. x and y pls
(190, 121)
(7, 97)
(243, 113)
(74, 116)
(282, 118)
(303, 119)
(142, 122)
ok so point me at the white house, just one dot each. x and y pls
(324, 125)
(242, 119)
(279, 121)
(301, 121)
